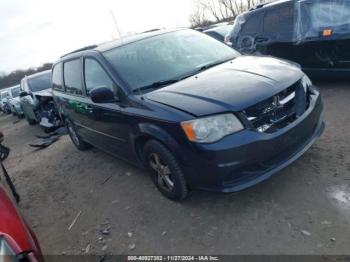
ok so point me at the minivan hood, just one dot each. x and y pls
(232, 86)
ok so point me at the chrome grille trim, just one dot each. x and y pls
(279, 110)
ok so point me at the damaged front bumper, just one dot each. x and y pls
(249, 157)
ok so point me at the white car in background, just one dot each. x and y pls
(14, 100)
(4, 93)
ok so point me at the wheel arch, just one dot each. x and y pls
(147, 132)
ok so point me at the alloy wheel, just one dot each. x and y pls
(163, 172)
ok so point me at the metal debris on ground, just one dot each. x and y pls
(306, 233)
(102, 258)
(74, 221)
(49, 138)
(58, 132)
(87, 249)
(105, 231)
(16, 121)
(132, 246)
(105, 228)
(44, 142)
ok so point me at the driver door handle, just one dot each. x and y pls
(89, 109)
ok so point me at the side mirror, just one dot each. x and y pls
(102, 95)
(23, 94)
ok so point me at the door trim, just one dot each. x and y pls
(101, 133)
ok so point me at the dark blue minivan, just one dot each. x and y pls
(192, 110)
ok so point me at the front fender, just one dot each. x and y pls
(149, 131)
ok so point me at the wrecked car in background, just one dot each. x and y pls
(313, 33)
(219, 32)
(37, 101)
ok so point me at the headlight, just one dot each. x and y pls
(211, 129)
(6, 252)
(306, 82)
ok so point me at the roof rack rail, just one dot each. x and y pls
(151, 30)
(260, 5)
(81, 49)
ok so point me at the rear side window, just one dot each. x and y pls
(57, 82)
(96, 76)
(253, 24)
(279, 19)
(40, 82)
(72, 77)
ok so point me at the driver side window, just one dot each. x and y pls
(96, 76)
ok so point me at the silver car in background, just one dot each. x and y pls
(14, 101)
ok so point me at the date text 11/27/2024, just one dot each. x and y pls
(173, 258)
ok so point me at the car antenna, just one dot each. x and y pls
(116, 26)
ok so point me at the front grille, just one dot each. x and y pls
(279, 110)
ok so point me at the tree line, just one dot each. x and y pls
(213, 11)
(15, 77)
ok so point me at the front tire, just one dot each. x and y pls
(165, 171)
(30, 121)
(77, 141)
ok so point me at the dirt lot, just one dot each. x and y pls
(305, 209)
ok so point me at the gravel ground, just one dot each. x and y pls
(304, 209)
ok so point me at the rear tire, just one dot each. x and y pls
(166, 173)
(77, 141)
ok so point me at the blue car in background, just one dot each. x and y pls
(312, 33)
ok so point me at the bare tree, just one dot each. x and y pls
(220, 10)
(199, 18)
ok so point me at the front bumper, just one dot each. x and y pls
(246, 158)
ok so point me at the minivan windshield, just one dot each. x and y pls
(40, 82)
(15, 91)
(167, 58)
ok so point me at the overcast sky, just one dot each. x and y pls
(36, 31)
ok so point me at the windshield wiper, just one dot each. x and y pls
(172, 81)
(207, 66)
(157, 84)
